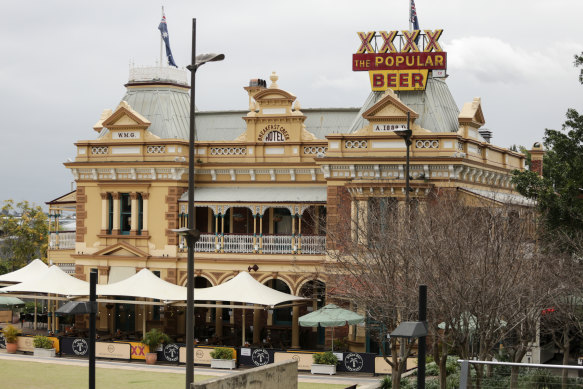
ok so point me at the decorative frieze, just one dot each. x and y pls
(356, 144)
(154, 149)
(228, 151)
(427, 144)
(99, 150)
(315, 150)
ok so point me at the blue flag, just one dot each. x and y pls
(164, 31)
(413, 19)
(413, 16)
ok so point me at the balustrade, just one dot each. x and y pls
(271, 244)
(205, 244)
(238, 243)
(62, 240)
(313, 244)
(277, 244)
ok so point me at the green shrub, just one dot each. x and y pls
(540, 379)
(222, 353)
(325, 358)
(432, 383)
(386, 382)
(452, 381)
(154, 338)
(451, 365)
(42, 342)
(431, 369)
(340, 344)
(10, 334)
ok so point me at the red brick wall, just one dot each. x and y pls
(338, 216)
(537, 166)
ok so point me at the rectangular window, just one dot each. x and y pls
(125, 213)
(110, 213)
(141, 215)
(381, 212)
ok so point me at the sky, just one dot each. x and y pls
(63, 62)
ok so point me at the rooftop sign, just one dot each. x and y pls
(399, 61)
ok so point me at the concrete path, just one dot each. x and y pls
(339, 379)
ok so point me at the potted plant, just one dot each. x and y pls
(43, 347)
(324, 363)
(222, 358)
(153, 339)
(10, 335)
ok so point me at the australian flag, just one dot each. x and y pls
(164, 31)
(413, 16)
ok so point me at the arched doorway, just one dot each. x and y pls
(203, 316)
(313, 337)
(279, 321)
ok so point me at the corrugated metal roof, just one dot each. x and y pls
(228, 125)
(168, 108)
(505, 198)
(435, 105)
(269, 194)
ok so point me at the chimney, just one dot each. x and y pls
(255, 85)
(536, 158)
(486, 134)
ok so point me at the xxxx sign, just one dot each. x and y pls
(399, 61)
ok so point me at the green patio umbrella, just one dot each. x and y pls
(330, 316)
(11, 302)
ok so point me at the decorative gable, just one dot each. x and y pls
(122, 249)
(274, 118)
(389, 108)
(124, 117)
(472, 114)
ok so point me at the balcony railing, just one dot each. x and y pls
(313, 244)
(267, 244)
(63, 240)
(205, 244)
(238, 244)
(278, 244)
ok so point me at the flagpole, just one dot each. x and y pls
(161, 40)
(410, 17)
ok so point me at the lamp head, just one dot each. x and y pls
(201, 59)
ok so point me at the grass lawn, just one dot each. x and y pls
(34, 375)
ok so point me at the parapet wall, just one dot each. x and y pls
(281, 375)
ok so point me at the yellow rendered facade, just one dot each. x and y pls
(130, 183)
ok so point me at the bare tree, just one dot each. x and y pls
(485, 279)
(563, 319)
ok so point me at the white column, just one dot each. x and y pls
(116, 215)
(104, 213)
(135, 212)
(145, 198)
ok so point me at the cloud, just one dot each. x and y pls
(494, 60)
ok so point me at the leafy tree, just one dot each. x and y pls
(579, 62)
(24, 230)
(559, 192)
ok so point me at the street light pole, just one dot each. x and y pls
(406, 135)
(189, 240)
(191, 234)
(422, 346)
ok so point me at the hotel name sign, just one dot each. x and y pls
(399, 61)
(273, 133)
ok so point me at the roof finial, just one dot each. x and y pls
(273, 79)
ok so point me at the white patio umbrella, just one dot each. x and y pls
(26, 273)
